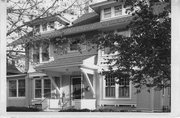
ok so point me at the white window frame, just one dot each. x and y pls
(116, 91)
(17, 88)
(115, 10)
(40, 54)
(106, 14)
(42, 87)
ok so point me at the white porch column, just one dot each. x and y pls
(88, 81)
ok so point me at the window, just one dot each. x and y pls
(47, 88)
(12, 88)
(17, 88)
(38, 90)
(36, 29)
(44, 27)
(42, 88)
(124, 88)
(117, 90)
(51, 25)
(40, 53)
(107, 12)
(110, 87)
(36, 50)
(118, 10)
(45, 52)
(74, 45)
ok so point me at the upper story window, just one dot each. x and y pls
(17, 88)
(51, 25)
(36, 50)
(40, 52)
(44, 27)
(107, 12)
(36, 29)
(118, 10)
(45, 52)
(74, 45)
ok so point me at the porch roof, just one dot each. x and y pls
(65, 63)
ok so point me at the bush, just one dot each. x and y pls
(21, 109)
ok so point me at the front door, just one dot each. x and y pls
(76, 88)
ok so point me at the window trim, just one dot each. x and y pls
(116, 91)
(17, 88)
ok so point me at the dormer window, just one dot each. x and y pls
(44, 27)
(37, 29)
(51, 25)
(107, 13)
(118, 10)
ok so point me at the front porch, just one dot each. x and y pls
(72, 86)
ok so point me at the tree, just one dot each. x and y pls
(145, 56)
(21, 11)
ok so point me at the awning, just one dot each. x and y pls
(69, 64)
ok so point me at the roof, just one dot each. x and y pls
(121, 22)
(55, 17)
(65, 62)
(11, 69)
(87, 19)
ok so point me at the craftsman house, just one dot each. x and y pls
(63, 77)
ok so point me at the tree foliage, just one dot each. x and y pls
(145, 56)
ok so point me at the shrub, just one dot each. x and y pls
(21, 109)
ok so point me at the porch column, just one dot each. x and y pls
(88, 81)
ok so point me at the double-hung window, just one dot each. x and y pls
(107, 12)
(36, 50)
(44, 27)
(45, 51)
(110, 87)
(17, 88)
(118, 10)
(42, 88)
(117, 90)
(124, 88)
(40, 52)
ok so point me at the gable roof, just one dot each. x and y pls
(11, 69)
(55, 17)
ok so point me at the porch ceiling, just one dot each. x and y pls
(70, 64)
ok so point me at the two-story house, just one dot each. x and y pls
(62, 76)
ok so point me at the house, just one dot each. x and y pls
(59, 76)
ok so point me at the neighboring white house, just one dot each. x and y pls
(64, 77)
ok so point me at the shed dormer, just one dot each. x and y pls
(43, 25)
(110, 9)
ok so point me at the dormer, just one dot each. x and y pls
(46, 24)
(110, 9)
